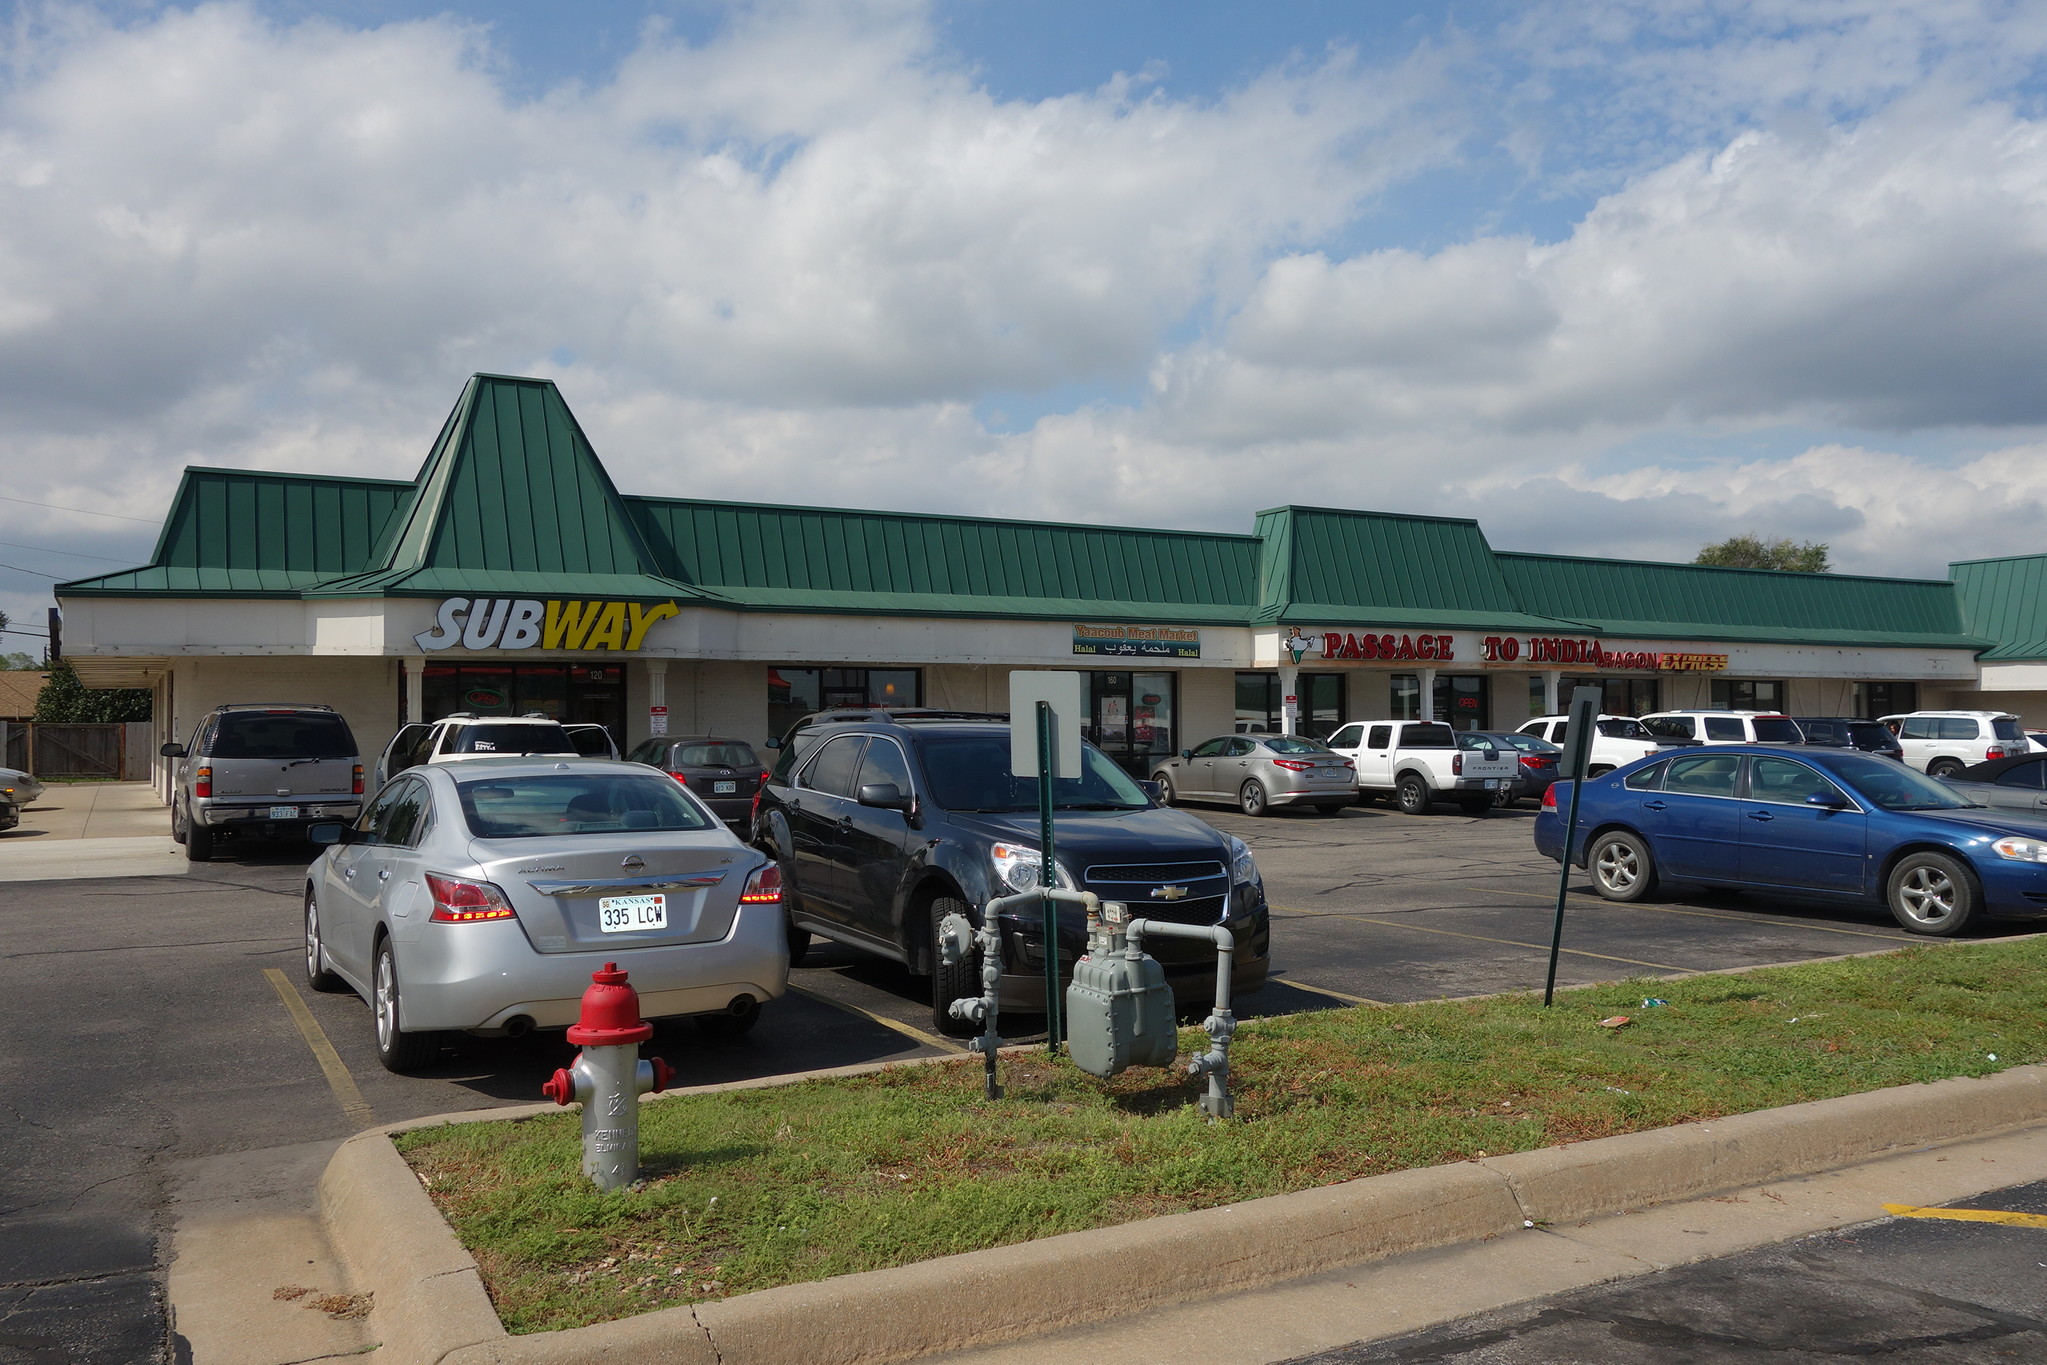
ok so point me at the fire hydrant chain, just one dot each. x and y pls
(609, 1077)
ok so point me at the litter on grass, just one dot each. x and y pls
(1650, 1002)
(1617, 1021)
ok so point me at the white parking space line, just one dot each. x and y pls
(1300, 985)
(1387, 923)
(1701, 914)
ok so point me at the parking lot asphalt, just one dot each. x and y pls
(1913, 1290)
(148, 1020)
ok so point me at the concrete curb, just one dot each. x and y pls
(431, 1306)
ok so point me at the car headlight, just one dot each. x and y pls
(1020, 869)
(2022, 850)
(1243, 867)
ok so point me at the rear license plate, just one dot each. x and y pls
(1492, 784)
(283, 813)
(624, 914)
(723, 788)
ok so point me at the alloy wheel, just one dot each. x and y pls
(387, 1001)
(312, 939)
(1927, 895)
(1619, 869)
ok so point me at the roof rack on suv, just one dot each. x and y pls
(273, 706)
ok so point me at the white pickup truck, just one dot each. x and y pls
(1418, 762)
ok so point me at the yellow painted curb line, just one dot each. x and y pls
(338, 1079)
(2013, 1220)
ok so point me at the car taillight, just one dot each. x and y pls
(1457, 764)
(1549, 798)
(1532, 760)
(202, 782)
(765, 775)
(1291, 764)
(356, 781)
(764, 887)
(679, 777)
(458, 901)
(1992, 752)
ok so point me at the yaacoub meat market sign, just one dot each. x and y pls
(531, 623)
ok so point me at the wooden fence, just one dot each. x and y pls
(114, 751)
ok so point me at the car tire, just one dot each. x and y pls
(177, 825)
(1935, 894)
(798, 939)
(318, 975)
(1621, 866)
(1943, 767)
(198, 843)
(1413, 795)
(960, 981)
(1167, 796)
(398, 1050)
(1598, 770)
(1251, 798)
(727, 1025)
(1476, 808)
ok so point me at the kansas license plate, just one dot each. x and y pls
(623, 914)
(284, 813)
(1492, 784)
(723, 788)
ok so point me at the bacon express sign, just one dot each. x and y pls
(526, 622)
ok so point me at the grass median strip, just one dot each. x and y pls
(750, 1189)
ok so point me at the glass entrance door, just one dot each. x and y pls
(1132, 718)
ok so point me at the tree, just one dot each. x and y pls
(18, 662)
(65, 700)
(1751, 551)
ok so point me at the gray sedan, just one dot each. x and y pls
(1258, 773)
(480, 896)
(2016, 783)
(18, 788)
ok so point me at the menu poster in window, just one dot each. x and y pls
(1113, 720)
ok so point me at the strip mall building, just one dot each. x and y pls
(511, 576)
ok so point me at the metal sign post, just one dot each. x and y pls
(1578, 733)
(1054, 702)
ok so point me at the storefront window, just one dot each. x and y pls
(576, 694)
(1257, 703)
(1406, 699)
(1132, 718)
(794, 693)
(1747, 694)
(1321, 697)
(1460, 698)
(1621, 696)
(1874, 699)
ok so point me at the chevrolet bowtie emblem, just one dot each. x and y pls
(1169, 893)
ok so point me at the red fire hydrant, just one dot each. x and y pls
(609, 1078)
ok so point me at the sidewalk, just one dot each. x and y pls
(91, 829)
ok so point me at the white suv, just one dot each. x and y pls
(1725, 727)
(465, 735)
(1942, 743)
(1618, 741)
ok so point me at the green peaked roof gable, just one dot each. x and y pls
(2005, 600)
(512, 499)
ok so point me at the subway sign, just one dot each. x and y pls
(533, 623)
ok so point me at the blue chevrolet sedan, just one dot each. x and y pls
(1842, 824)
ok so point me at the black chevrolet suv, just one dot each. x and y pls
(886, 822)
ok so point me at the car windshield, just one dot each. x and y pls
(731, 754)
(971, 773)
(1293, 744)
(575, 803)
(535, 737)
(1624, 729)
(281, 734)
(1893, 786)
(1777, 730)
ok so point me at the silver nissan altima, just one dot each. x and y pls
(480, 896)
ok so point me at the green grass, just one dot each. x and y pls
(757, 1188)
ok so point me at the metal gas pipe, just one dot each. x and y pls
(609, 1078)
(1221, 1023)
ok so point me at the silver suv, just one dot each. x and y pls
(257, 771)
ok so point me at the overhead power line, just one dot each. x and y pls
(37, 572)
(53, 550)
(82, 511)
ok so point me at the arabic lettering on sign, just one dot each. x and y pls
(1138, 642)
(525, 622)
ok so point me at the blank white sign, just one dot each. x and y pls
(1068, 696)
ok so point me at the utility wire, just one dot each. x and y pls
(37, 572)
(52, 550)
(23, 630)
(80, 510)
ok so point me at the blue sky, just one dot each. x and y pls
(1612, 276)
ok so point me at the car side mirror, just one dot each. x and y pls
(773, 742)
(1152, 790)
(1186, 753)
(172, 750)
(884, 795)
(327, 834)
(1830, 800)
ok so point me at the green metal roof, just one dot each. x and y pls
(1647, 599)
(512, 500)
(245, 533)
(2005, 600)
(828, 559)
(1323, 565)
